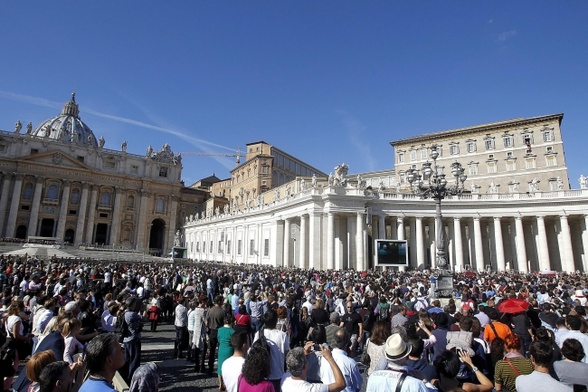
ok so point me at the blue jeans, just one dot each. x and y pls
(132, 359)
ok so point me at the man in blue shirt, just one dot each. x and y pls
(104, 356)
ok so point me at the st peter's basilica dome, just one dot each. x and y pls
(67, 127)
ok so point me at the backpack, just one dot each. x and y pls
(262, 342)
(121, 327)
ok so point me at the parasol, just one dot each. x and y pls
(513, 306)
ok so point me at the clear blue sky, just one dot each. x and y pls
(326, 81)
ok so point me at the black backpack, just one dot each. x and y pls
(121, 327)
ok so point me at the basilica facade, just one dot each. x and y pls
(59, 180)
(526, 220)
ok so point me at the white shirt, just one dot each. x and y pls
(231, 371)
(288, 384)
(279, 346)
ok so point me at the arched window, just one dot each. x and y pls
(53, 192)
(75, 196)
(105, 198)
(28, 191)
(160, 206)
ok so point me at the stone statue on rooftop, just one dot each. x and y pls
(17, 127)
(101, 142)
(123, 146)
(583, 180)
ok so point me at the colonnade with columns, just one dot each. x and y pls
(523, 243)
(330, 236)
(74, 209)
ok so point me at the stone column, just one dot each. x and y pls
(171, 230)
(4, 196)
(359, 248)
(520, 245)
(382, 227)
(585, 243)
(400, 226)
(499, 245)
(542, 247)
(314, 241)
(567, 254)
(35, 206)
(330, 240)
(63, 210)
(116, 217)
(91, 215)
(400, 234)
(433, 244)
(458, 244)
(302, 244)
(143, 204)
(82, 215)
(287, 239)
(420, 245)
(478, 262)
(11, 225)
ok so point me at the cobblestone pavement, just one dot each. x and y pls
(177, 375)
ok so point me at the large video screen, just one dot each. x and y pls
(391, 252)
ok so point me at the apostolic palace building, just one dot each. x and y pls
(516, 209)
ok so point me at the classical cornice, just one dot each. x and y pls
(491, 127)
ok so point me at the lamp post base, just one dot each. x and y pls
(444, 284)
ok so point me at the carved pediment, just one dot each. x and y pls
(55, 158)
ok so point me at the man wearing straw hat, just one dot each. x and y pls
(395, 378)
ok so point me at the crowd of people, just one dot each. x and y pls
(286, 329)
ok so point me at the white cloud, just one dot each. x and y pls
(506, 35)
(194, 141)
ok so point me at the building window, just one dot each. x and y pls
(130, 202)
(109, 164)
(413, 155)
(266, 246)
(473, 169)
(163, 171)
(228, 247)
(491, 167)
(530, 163)
(239, 247)
(52, 192)
(251, 247)
(424, 154)
(75, 196)
(453, 149)
(508, 155)
(28, 192)
(551, 161)
(134, 169)
(527, 140)
(553, 185)
(511, 165)
(471, 147)
(400, 157)
(160, 206)
(508, 141)
(549, 150)
(548, 135)
(489, 144)
(105, 199)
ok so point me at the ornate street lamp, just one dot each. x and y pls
(430, 183)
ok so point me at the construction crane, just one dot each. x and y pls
(236, 154)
